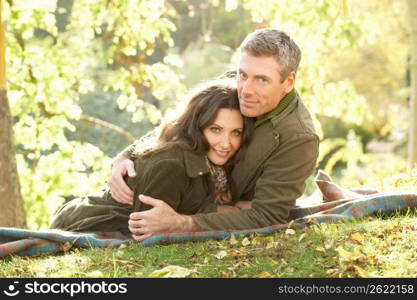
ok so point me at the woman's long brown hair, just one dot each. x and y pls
(186, 131)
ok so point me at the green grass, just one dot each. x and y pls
(373, 247)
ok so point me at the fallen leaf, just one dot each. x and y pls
(172, 272)
(264, 275)
(321, 249)
(358, 237)
(356, 255)
(221, 254)
(95, 274)
(245, 242)
(262, 240)
(344, 255)
(233, 240)
(333, 273)
(290, 231)
(234, 253)
(302, 236)
(272, 245)
(361, 272)
(328, 244)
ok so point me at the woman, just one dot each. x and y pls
(187, 165)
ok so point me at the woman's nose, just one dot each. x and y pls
(225, 141)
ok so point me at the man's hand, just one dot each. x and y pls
(244, 205)
(118, 187)
(226, 208)
(160, 219)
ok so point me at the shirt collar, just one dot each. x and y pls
(283, 104)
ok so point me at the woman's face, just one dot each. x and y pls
(224, 135)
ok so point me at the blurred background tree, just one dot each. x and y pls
(412, 148)
(12, 212)
(86, 77)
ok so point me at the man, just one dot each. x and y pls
(280, 157)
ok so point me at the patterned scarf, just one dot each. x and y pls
(222, 195)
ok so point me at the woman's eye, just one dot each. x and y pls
(215, 129)
(236, 132)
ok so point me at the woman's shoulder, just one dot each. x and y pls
(173, 156)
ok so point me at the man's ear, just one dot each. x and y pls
(289, 82)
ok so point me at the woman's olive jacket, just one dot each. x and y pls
(180, 177)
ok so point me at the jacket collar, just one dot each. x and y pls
(195, 164)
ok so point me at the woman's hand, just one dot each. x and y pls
(118, 187)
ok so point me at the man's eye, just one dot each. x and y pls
(262, 80)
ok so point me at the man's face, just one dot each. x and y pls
(259, 84)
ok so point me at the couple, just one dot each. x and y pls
(236, 158)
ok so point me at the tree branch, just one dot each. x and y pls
(108, 125)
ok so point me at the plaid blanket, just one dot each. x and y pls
(334, 204)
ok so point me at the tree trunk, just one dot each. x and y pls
(11, 204)
(412, 142)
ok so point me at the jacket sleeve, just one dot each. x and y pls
(164, 180)
(282, 181)
(129, 150)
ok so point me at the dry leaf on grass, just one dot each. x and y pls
(221, 254)
(245, 242)
(290, 231)
(172, 272)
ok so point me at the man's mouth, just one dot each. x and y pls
(248, 102)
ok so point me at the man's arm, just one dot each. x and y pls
(123, 165)
(280, 184)
(161, 218)
(119, 190)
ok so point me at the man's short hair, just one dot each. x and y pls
(276, 43)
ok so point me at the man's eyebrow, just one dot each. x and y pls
(257, 75)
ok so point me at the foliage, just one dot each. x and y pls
(129, 62)
(49, 70)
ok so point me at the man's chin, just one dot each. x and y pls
(247, 112)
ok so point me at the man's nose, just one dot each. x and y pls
(247, 87)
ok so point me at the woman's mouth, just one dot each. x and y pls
(221, 153)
